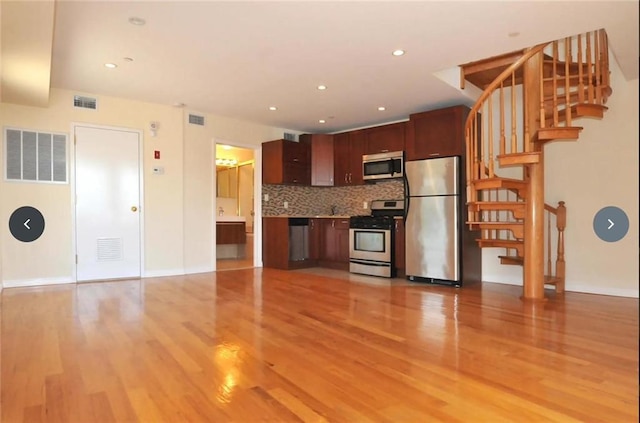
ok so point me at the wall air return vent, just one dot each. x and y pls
(289, 136)
(196, 120)
(83, 102)
(33, 156)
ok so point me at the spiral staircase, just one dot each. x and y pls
(531, 98)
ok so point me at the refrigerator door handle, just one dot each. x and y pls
(406, 198)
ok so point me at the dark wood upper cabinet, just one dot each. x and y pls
(436, 133)
(321, 158)
(348, 148)
(286, 162)
(385, 138)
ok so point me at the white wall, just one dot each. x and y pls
(178, 206)
(199, 200)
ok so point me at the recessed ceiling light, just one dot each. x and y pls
(322, 121)
(178, 104)
(134, 20)
(322, 87)
(398, 52)
(273, 108)
(513, 34)
(127, 59)
(110, 65)
(382, 108)
(226, 147)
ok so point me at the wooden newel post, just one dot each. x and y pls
(561, 223)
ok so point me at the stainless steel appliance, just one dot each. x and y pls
(433, 220)
(371, 239)
(383, 166)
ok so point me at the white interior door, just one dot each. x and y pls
(107, 183)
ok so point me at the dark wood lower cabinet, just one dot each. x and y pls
(335, 244)
(328, 243)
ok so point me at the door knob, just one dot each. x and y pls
(134, 209)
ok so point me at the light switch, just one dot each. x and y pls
(158, 170)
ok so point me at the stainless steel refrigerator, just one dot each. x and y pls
(433, 220)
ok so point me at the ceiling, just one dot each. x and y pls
(237, 59)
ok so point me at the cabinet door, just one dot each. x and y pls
(341, 159)
(329, 241)
(315, 238)
(437, 133)
(272, 169)
(399, 243)
(321, 160)
(356, 151)
(275, 242)
(385, 138)
(342, 240)
(296, 158)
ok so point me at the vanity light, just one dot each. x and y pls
(398, 52)
(226, 162)
(110, 65)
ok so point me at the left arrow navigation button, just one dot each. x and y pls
(26, 224)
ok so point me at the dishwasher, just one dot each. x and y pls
(298, 238)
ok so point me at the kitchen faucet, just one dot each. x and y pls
(333, 210)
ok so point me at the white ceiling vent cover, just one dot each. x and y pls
(196, 120)
(83, 102)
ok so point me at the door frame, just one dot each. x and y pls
(257, 198)
(72, 186)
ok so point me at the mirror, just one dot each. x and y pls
(227, 181)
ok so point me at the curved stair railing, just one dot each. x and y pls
(506, 131)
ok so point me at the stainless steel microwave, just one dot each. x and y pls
(383, 165)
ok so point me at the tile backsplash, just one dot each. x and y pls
(317, 201)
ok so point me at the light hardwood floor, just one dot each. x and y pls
(243, 263)
(266, 345)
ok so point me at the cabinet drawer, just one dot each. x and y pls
(341, 223)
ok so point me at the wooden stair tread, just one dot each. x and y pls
(512, 260)
(578, 111)
(551, 280)
(499, 182)
(496, 205)
(558, 133)
(517, 159)
(517, 245)
(482, 72)
(517, 208)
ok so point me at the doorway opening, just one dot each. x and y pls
(235, 199)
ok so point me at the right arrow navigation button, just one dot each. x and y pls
(611, 224)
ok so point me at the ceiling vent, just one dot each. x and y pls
(289, 136)
(83, 102)
(196, 120)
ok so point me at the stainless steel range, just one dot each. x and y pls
(371, 239)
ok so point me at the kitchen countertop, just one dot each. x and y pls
(322, 216)
(230, 219)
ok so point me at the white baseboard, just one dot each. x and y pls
(581, 288)
(602, 290)
(198, 269)
(162, 273)
(19, 283)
